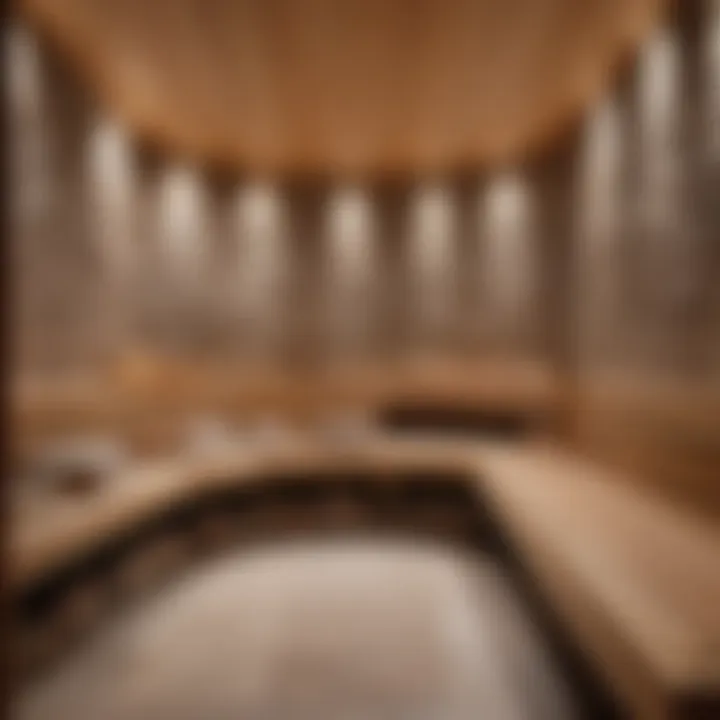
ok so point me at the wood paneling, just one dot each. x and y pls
(353, 87)
(649, 371)
(149, 400)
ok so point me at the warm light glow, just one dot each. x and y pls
(659, 82)
(350, 233)
(111, 185)
(432, 225)
(508, 259)
(432, 255)
(259, 222)
(601, 188)
(599, 232)
(659, 85)
(349, 254)
(24, 68)
(31, 171)
(182, 221)
(711, 84)
(507, 205)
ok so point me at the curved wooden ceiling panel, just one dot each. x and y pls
(347, 86)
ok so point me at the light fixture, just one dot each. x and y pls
(349, 230)
(349, 249)
(24, 69)
(111, 186)
(29, 151)
(711, 81)
(508, 258)
(659, 138)
(432, 261)
(598, 209)
(182, 221)
(259, 225)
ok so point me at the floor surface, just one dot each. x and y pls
(343, 630)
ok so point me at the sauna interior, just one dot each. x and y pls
(365, 359)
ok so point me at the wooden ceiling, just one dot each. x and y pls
(347, 86)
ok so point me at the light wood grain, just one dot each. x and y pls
(633, 579)
(349, 88)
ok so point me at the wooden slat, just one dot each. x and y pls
(361, 86)
(634, 580)
(649, 570)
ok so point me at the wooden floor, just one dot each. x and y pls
(323, 630)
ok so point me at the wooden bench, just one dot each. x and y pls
(633, 581)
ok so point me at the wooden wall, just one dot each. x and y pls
(648, 259)
(141, 281)
(587, 284)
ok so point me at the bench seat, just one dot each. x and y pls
(634, 581)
